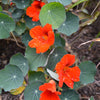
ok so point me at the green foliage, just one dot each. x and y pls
(71, 24)
(36, 76)
(20, 28)
(52, 13)
(7, 25)
(17, 13)
(26, 38)
(55, 57)
(32, 91)
(64, 2)
(88, 70)
(29, 23)
(77, 85)
(20, 61)
(59, 42)
(11, 77)
(5, 1)
(35, 60)
(21, 4)
(68, 94)
(92, 98)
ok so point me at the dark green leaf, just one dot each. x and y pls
(35, 60)
(7, 25)
(30, 24)
(32, 91)
(36, 76)
(88, 70)
(64, 2)
(26, 38)
(55, 57)
(52, 13)
(21, 4)
(59, 42)
(20, 61)
(17, 13)
(11, 77)
(77, 85)
(71, 24)
(20, 28)
(69, 94)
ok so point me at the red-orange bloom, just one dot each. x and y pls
(49, 91)
(66, 74)
(43, 38)
(34, 10)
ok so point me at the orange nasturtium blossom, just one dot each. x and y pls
(49, 91)
(67, 74)
(43, 38)
(34, 10)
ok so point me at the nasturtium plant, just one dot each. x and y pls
(55, 57)
(35, 60)
(25, 38)
(20, 61)
(64, 2)
(53, 13)
(20, 28)
(46, 70)
(29, 23)
(59, 41)
(17, 13)
(11, 77)
(7, 25)
(70, 25)
(21, 4)
(32, 91)
(88, 71)
(36, 76)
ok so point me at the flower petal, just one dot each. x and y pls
(68, 60)
(48, 95)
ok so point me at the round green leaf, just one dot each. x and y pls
(32, 91)
(71, 24)
(7, 25)
(20, 61)
(64, 2)
(17, 13)
(55, 57)
(26, 38)
(29, 23)
(88, 70)
(20, 28)
(21, 4)
(59, 42)
(69, 94)
(52, 13)
(36, 76)
(11, 77)
(35, 60)
(77, 85)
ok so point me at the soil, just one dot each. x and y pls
(84, 52)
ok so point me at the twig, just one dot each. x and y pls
(16, 41)
(95, 8)
(98, 65)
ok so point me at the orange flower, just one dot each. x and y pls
(66, 74)
(34, 10)
(49, 91)
(43, 38)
